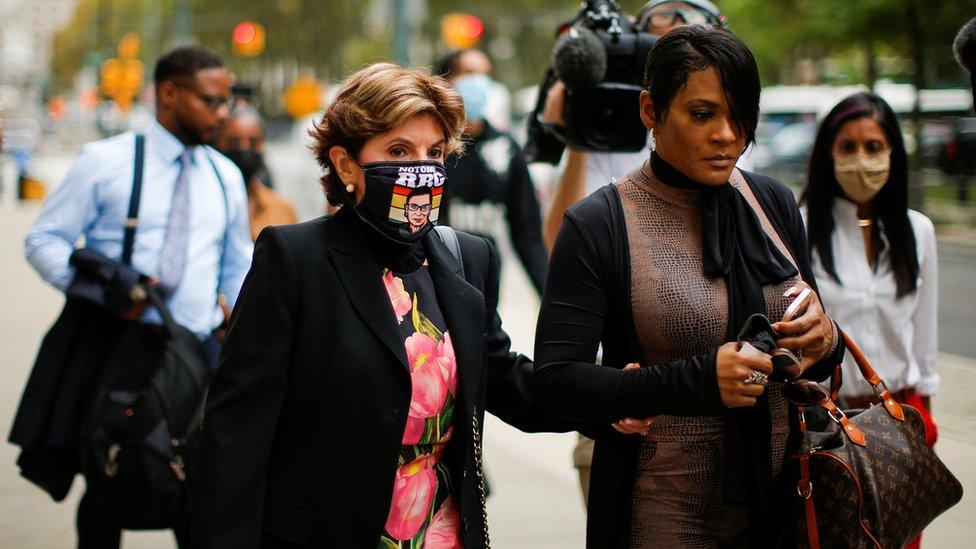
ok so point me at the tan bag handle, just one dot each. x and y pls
(880, 388)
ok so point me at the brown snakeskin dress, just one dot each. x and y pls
(679, 312)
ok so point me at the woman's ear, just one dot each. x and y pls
(348, 171)
(647, 114)
(343, 163)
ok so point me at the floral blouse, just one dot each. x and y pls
(423, 513)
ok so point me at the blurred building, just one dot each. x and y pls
(27, 29)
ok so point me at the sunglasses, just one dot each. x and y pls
(213, 102)
(671, 17)
(802, 392)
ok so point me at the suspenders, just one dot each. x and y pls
(132, 218)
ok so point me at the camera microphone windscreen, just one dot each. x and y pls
(579, 59)
(964, 47)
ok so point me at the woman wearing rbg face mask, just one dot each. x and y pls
(875, 260)
(347, 407)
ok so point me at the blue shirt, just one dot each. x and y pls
(93, 202)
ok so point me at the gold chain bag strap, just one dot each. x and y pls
(480, 472)
(865, 478)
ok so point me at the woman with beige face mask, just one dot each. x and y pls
(874, 259)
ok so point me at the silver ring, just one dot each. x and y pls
(757, 378)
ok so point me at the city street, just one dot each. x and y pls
(535, 500)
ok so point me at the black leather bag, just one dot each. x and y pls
(141, 436)
(866, 478)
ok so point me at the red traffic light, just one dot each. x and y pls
(244, 33)
(461, 30)
(247, 39)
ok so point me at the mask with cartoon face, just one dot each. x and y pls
(402, 199)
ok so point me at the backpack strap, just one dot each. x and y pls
(450, 239)
(132, 219)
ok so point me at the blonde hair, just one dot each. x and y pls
(375, 100)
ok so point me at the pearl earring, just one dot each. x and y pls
(350, 188)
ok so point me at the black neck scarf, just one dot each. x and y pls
(736, 248)
(399, 257)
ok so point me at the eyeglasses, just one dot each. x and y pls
(213, 102)
(418, 208)
(670, 17)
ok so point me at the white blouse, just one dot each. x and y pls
(898, 336)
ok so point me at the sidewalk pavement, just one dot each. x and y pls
(535, 499)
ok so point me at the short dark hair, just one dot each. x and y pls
(891, 201)
(185, 62)
(420, 191)
(696, 48)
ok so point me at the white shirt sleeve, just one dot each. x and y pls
(66, 215)
(925, 318)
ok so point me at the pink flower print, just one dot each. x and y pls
(444, 532)
(413, 494)
(414, 430)
(429, 388)
(399, 297)
(447, 363)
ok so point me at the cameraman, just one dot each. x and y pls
(585, 172)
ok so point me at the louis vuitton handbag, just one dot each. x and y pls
(865, 478)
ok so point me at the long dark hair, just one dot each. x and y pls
(890, 204)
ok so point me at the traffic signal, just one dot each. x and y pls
(121, 77)
(247, 39)
(303, 98)
(462, 30)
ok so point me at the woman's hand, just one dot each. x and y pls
(733, 369)
(632, 426)
(810, 330)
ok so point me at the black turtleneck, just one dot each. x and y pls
(671, 176)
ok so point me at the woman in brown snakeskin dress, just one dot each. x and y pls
(663, 268)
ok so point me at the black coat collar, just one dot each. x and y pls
(361, 276)
(462, 304)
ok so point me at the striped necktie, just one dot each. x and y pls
(177, 231)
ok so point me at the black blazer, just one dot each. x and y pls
(306, 413)
(588, 302)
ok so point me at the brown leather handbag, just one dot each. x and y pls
(866, 478)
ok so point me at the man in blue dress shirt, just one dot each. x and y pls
(190, 240)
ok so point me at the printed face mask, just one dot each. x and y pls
(474, 90)
(861, 177)
(402, 199)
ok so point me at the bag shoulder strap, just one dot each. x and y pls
(132, 218)
(450, 239)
